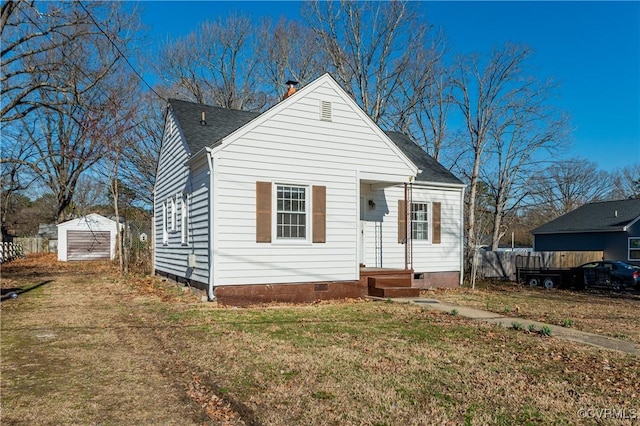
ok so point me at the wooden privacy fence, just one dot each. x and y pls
(502, 264)
(33, 244)
(9, 251)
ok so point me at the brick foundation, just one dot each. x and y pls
(245, 295)
(429, 280)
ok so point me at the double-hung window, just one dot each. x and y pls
(165, 234)
(291, 212)
(174, 208)
(420, 221)
(183, 221)
(634, 248)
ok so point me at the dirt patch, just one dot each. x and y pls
(80, 347)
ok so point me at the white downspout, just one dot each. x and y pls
(462, 236)
(210, 294)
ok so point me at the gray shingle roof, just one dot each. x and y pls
(432, 171)
(605, 216)
(222, 122)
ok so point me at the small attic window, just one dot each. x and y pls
(325, 110)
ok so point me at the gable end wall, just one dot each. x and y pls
(175, 179)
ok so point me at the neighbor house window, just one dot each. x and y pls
(291, 213)
(165, 234)
(183, 217)
(420, 221)
(634, 248)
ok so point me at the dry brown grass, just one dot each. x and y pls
(614, 314)
(89, 348)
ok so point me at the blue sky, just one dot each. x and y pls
(591, 48)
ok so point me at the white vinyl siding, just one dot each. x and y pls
(176, 177)
(86, 238)
(381, 230)
(294, 147)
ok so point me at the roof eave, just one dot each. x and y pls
(581, 231)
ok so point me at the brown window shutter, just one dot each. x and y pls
(402, 221)
(263, 212)
(319, 214)
(436, 222)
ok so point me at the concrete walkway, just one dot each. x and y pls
(556, 331)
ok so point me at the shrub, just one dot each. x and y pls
(517, 326)
(454, 312)
(567, 322)
(532, 328)
(545, 330)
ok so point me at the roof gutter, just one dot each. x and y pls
(210, 294)
(581, 231)
(440, 184)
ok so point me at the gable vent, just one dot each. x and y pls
(325, 110)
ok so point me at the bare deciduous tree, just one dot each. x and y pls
(369, 46)
(214, 65)
(567, 185)
(286, 51)
(141, 152)
(626, 182)
(508, 121)
(61, 137)
(424, 98)
(36, 39)
(527, 126)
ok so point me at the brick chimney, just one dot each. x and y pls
(291, 90)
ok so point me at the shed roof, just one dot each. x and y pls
(221, 122)
(605, 216)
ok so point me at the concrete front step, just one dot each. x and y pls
(393, 291)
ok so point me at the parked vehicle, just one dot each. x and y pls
(530, 271)
(614, 274)
(610, 273)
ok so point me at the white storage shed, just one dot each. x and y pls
(90, 237)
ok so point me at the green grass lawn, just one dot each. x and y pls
(94, 348)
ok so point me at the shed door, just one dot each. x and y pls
(88, 245)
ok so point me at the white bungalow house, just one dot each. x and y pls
(308, 200)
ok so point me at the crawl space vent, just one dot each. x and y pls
(325, 110)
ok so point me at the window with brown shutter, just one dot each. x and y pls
(263, 212)
(319, 214)
(402, 222)
(436, 223)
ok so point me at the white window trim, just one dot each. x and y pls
(308, 209)
(165, 234)
(184, 221)
(629, 249)
(174, 213)
(429, 223)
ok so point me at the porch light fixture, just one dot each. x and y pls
(372, 204)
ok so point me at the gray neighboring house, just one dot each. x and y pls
(612, 227)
